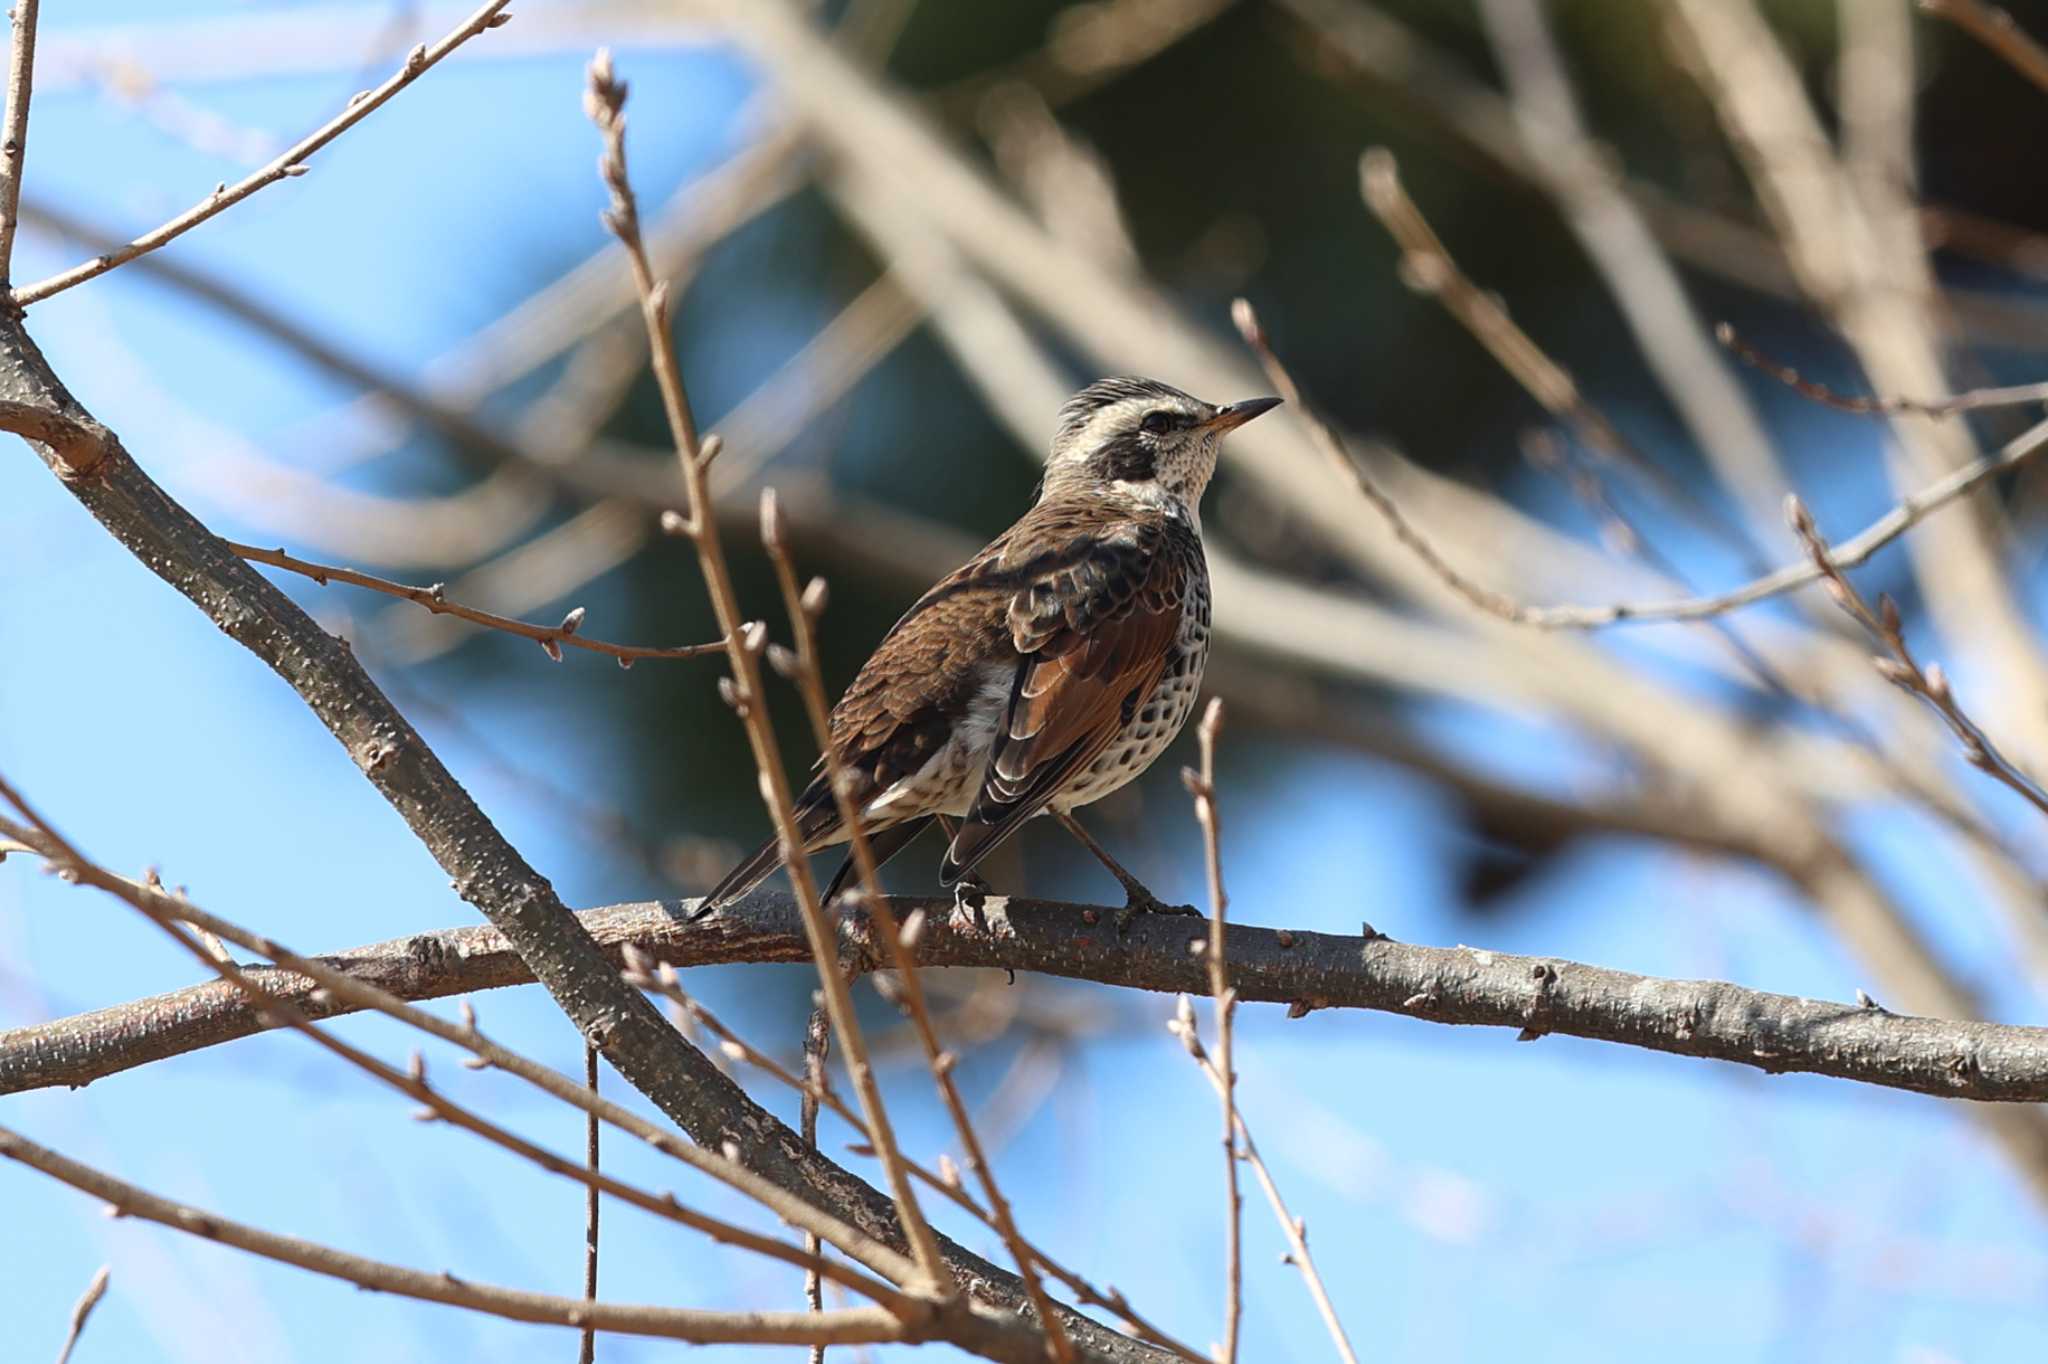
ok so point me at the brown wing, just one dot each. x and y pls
(1067, 599)
(1093, 638)
(901, 706)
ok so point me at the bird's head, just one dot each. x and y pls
(1147, 436)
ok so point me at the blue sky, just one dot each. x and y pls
(1467, 1197)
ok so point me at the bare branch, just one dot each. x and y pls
(804, 604)
(1201, 785)
(81, 1312)
(817, 1039)
(291, 162)
(21, 73)
(587, 1351)
(1427, 268)
(1988, 1062)
(1855, 550)
(1903, 670)
(550, 637)
(605, 101)
(2015, 395)
(181, 919)
(1292, 1227)
(1995, 28)
(1583, 178)
(816, 1089)
(846, 1325)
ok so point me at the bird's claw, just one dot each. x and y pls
(970, 893)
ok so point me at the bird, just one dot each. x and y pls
(1050, 669)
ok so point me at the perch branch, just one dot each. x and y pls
(1991, 1062)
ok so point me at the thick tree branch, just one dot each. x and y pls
(1989, 1062)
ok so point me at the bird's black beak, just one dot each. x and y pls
(1233, 415)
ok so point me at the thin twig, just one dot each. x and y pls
(81, 1312)
(1584, 179)
(643, 971)
(1995, 28)
(605, 102)
(804, 605)
(848, 1325)
(21, 72)
(1292, 1227)
(174, 914)
(2016, 395)
(551, 638)
(586, 1351)
(1201, 784)
(289, 163)
(1899, 666)
(817, 1041)
(1908, 513)
(1428, 268)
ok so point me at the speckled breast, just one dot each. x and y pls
(1161, 716)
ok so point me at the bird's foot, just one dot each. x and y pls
(970, 893)
(1138, 900)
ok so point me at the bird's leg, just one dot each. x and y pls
(1137, 899)
(970, 892)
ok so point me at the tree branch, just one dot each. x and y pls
(1991, 1062)
(677, 1323)
(21, 66)
(1995, 28)
(484, 868)
(290, 162)
(549, 637)
(1908, 513)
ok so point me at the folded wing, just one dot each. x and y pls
(1093, 636)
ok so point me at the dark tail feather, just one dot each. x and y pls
(815, 819)
(741, 879)
(977, 840)
(884, 844)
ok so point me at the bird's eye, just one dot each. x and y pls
(1156, 423)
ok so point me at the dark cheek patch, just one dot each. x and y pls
(1130, 458)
